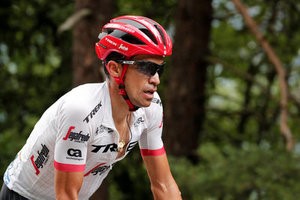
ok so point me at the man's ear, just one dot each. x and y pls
(114, 69)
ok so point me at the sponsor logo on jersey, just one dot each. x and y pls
(74, 154)
(100, 170)
(92, 113)
(6, 179)
(76, 137)
(41, 159)
(157, 101)
(113, 147)
(138, 121)
(162, 122)
(7, 173)
(102, 129)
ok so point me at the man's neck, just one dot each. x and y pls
(120, 109)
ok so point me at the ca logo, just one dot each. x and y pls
(74, 152)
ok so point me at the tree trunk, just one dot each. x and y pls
(86, 65)
(185, 94)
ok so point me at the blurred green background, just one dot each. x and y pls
(221, 93)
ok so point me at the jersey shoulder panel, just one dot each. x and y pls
(80, 101)
(154, 113)
(150, 141)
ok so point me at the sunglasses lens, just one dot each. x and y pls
(150, 68)
(160, 70)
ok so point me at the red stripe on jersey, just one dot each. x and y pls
(155, 152)
(68, 167)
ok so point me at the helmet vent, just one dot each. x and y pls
(141, 27)
(161, 34)
(149, 34)
(125, 36)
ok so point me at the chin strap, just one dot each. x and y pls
(122, 91)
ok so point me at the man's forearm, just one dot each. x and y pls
(66, 197)
(166, 192)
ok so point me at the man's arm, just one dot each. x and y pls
(163, 185)
(67, 185)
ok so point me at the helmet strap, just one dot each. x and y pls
(122, 91)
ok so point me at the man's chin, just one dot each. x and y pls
(145, 104)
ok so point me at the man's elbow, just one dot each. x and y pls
(68, 194)
(162, 191)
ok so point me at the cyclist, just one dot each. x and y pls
(84, 133)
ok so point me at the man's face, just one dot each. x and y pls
(140, 86)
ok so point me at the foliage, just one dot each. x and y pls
(163, 9)
(242, 89)
(254, 172)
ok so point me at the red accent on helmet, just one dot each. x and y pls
(133, 35)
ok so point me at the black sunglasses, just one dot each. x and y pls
(145, 67)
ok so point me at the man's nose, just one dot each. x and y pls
(155, 80)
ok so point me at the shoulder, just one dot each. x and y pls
(156, 104)
(82, 99)
(155, 110)
(156, 100)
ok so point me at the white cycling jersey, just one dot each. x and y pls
(77, 133)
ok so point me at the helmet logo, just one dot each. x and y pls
(111, 42)
(122, 28)
(123, 47)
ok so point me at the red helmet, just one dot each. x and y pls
(133, 35)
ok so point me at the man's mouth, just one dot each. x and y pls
(149, 93)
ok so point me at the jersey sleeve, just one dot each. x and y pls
(151, 143)
(72, 136)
